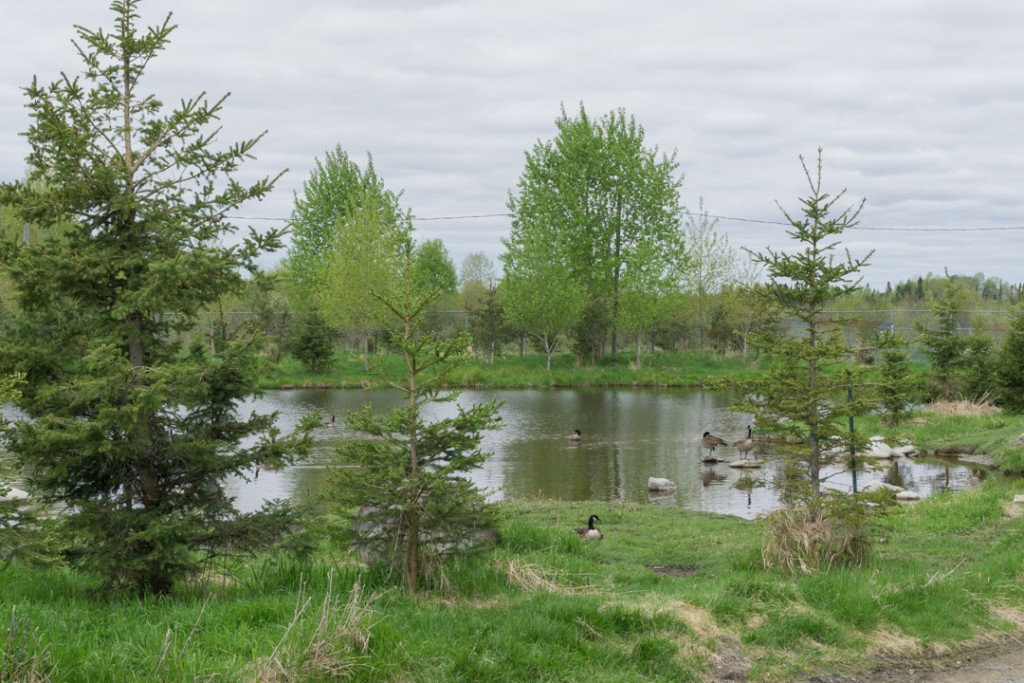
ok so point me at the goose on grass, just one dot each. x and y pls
(590, 532)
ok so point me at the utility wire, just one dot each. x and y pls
(722, 218)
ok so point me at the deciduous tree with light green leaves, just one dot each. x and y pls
(597, 192)
(432, 267)
(539, 295)
(365, 257)
(645, 283)
(131, 434)
(336, 188)
(709, 266)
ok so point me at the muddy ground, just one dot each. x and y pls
(1002, 662)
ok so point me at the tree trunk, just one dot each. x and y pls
(412, 553)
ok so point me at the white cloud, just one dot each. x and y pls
(918, 104)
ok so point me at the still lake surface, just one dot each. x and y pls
(628, 436)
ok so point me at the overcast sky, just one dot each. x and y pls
(919, 105)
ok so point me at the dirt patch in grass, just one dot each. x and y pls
(673, 570)
(1001, 661)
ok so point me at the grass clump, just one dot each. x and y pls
(797, 541)
(22, 657)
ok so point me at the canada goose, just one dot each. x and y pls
(744, 446)
(330, 423)
(711, 442)
(590, 532)
(575, 436)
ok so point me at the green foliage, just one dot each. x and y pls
(487, 324)
(274, 316)
(586, 202)
(433, 268)
(129, 432)
(538, 608)
(312, 345)
(476, 276)
(979, 368)
(894, 390)
(944, 345)
(709, 266)
(589, 332)
(336, 190)
(1010, 366)
(365, 255)
(805, 393)
(408, 476)
(537, 293)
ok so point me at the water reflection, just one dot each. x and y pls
(628, 435)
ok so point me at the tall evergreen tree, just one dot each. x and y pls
(131, 433)
(944, 345)
(1010, 366)
(804, 391)
(894, 390)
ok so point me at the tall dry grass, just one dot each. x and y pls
(797, 543)
(962, 408)
(330, 644)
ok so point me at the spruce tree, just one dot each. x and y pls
(131, 434)
(405, 488)
(894, 391)
(804, 393)
(944, 345)
(1010, 366)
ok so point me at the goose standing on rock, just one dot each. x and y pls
(711, 442)
(746, 445)
(590, 532)
(575, 436)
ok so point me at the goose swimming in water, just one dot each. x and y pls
(590, 532)
(575, 436)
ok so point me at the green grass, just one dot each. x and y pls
(663, 369)
(653, 601)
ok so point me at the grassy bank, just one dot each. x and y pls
(668, 595)
(969, 431)
(665, 369)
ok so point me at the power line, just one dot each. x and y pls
(717, 217)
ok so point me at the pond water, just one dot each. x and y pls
(628, 435)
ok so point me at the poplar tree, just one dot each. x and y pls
(130, 433)
(337, 195)
(594, 195)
